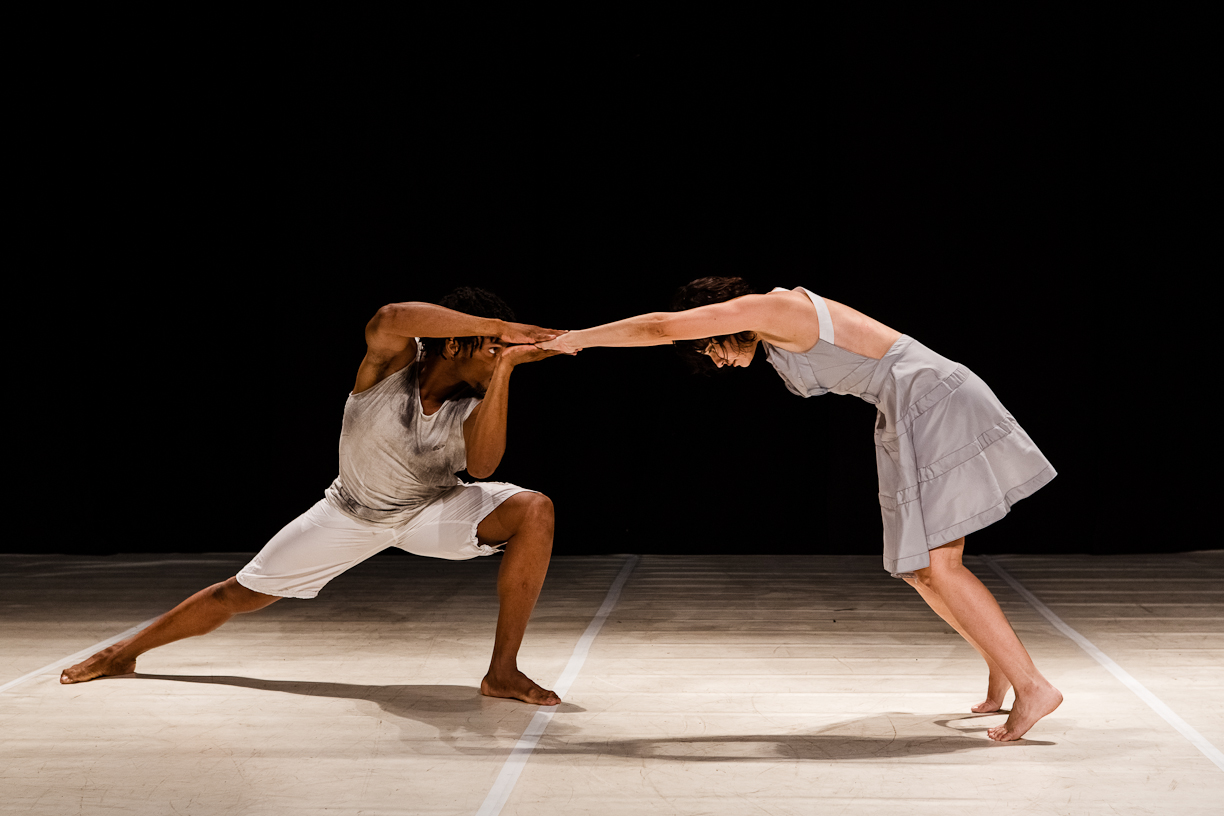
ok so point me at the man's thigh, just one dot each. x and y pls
(310, 551)
(461, 524)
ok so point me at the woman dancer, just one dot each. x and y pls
(951, 459)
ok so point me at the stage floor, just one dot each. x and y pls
(748, 684)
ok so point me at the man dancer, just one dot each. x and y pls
(419, 411)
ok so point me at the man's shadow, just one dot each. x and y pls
(469, 723)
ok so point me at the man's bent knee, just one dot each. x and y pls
(537, 514)
(524, 512)
(540, 509)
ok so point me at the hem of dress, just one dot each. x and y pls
(989, 517)
(902, 567)
(249, 582)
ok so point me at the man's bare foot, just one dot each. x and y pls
(1026, 711)
(996, 691)
(103, 664)
(517, 686)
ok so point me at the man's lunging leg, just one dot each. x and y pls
(198, 615)
(525, 523)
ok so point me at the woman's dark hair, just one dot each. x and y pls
(473, 301)
(703, 292)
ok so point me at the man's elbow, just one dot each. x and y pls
(480, 470)
(381, 320)
(395, 318)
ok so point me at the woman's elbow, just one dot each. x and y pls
(658, 327)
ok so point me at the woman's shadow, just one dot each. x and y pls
(469, 723)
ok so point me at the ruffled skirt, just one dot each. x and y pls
(951, 459)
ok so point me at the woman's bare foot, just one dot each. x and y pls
(996, 691)
(1026, 711)
(105, 663)
(517, 686)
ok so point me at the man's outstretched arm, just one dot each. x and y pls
(412, 319)
(390, 333)
(484, 431)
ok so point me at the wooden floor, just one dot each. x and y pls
(717, 685)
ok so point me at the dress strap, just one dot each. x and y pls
(822, 311)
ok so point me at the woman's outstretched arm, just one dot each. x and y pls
(776, 317)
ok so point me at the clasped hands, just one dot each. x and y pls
(561, 344)
(517, 334)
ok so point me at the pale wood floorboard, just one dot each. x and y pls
(746, 684)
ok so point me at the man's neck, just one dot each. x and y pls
(438, 380)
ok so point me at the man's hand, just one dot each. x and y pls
(517, 333)
(517, 355)
(484, 431)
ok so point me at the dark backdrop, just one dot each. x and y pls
(228, 210)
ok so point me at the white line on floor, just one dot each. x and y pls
(65, 662)
(510, 772)
(1184, 728)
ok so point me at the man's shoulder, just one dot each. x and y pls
(401, 381)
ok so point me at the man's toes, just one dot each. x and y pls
(542, 696)
(73, 674)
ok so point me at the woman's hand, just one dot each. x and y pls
(562, 343)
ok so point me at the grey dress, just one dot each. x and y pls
(950, 458)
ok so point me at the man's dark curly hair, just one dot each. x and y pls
(703, 292)
(473, 301)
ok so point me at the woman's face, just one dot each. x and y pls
(728, 353)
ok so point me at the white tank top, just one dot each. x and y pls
(393, 459)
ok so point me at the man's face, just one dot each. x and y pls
(477, 370)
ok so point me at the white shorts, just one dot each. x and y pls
(323, 542)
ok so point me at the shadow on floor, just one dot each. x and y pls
(868, 738)
(467, 723)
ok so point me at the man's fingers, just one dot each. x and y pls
(529, 353)
(522, 333)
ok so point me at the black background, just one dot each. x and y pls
(221, 205)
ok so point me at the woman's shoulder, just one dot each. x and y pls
(793, 324)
